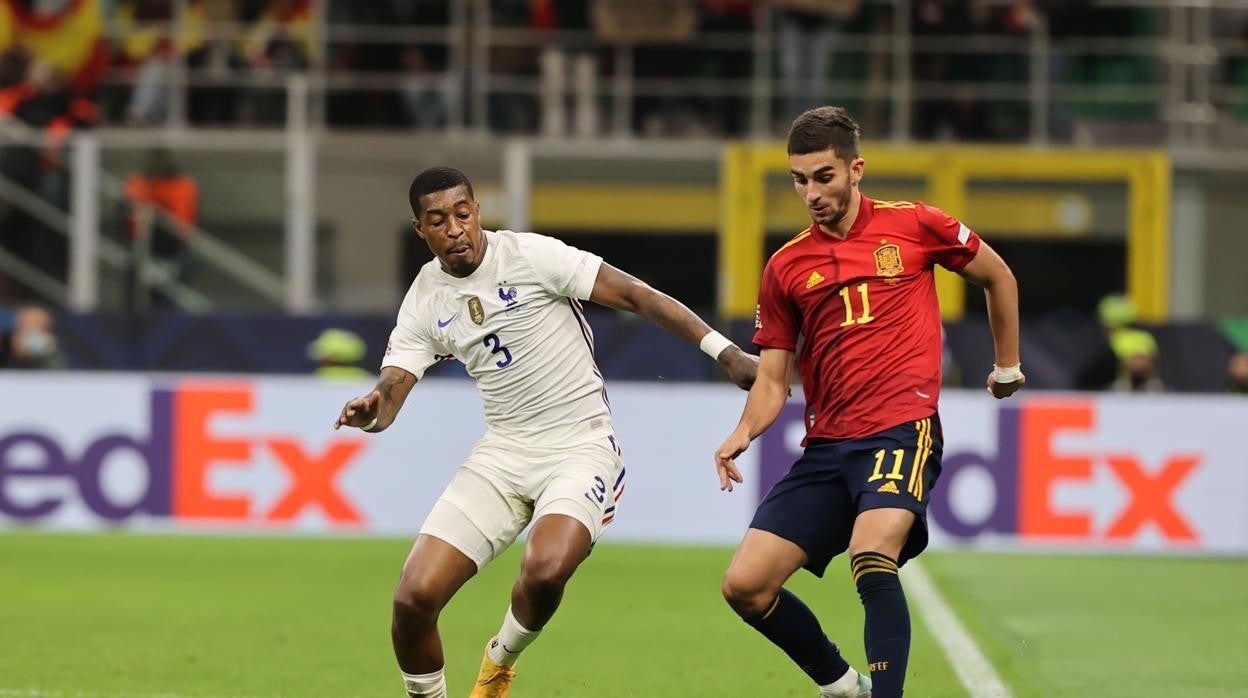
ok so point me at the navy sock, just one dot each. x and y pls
(793, 627)
(887, 631)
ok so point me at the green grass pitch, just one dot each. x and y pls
(118, 616)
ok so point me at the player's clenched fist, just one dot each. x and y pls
(360, 411)
(724, 459)
(1003, 383)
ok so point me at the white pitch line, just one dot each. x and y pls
(968, 661)
(56, 693)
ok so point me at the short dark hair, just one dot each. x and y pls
(822, 128)
(436, 179)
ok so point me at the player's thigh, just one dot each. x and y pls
(479, 513)
(584, 483)
(811, 507)
(891, 476)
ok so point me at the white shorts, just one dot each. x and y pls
(504, 485)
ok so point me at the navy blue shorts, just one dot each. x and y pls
(814, 505)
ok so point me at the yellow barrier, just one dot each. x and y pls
(694, 209)
(946, 171)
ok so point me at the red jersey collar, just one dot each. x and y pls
(866, 209)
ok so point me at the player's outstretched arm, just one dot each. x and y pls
(377, 410)
(767, 398)
(991, 272)
(616, 289)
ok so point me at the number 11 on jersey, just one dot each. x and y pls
(849, 306)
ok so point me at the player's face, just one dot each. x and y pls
(826, 183)
(450, 223)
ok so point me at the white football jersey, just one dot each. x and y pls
(517, 325)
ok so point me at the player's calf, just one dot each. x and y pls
(789, 624)
(875, 546)
(415, 621)
(535, 598)
(414, 624)
(887, 632)
(556, 547)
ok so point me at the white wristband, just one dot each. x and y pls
(1007, 374)
(714, 344)
(370, 425)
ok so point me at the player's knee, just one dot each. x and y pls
(885, 540)
(883, 531)
(546, 573)
(416, 604)
(747, 596)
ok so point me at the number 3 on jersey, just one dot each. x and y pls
(497, 347)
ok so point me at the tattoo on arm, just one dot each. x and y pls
(619, 290)
(672, 315)
(393, 386)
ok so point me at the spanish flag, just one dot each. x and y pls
(294, 19)
(69, 38)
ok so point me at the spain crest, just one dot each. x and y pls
(888, 260)
(475, 310)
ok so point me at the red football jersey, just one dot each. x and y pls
(867, 311)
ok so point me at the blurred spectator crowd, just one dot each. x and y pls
(121, 55)
(233, 55)
(28, 339)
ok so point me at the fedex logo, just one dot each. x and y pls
(1027, 470)
(181, 455)
(1030, 468)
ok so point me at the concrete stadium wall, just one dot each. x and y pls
(362, 208)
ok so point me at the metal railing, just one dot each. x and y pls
(1180, 85)
(88, 247)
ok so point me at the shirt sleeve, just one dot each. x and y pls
(947, 240)
(410, 347)
(561, 268)
(776, 323)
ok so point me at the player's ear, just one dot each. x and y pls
(416, 228)
(856, 169)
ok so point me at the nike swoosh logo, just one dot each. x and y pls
(921, 394)
(447, 322)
